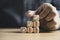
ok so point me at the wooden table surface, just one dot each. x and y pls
(13, 34)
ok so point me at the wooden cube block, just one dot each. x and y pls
(36, 23)
(36, 18)
(23, 29)
(29, 29)
(29, 23)
(36, 30)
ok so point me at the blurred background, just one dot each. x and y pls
(12, 12)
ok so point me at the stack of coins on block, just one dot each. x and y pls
(29, 29)
(29, 26)
(23, 29)
(36, 23)
(32, 26)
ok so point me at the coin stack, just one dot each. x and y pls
(23, 29)
(36, 23)
(32, 26)
(29, 26)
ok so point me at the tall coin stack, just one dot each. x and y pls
(36, 23)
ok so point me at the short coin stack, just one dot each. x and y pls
(29, 26)
(23, 29)
(32, 26)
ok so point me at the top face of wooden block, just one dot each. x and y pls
(36, 18)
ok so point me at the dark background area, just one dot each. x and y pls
(12, 12)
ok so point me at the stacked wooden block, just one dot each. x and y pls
(32, 26)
